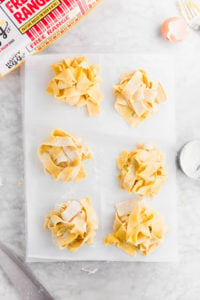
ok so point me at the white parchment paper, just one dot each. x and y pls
(107, 135)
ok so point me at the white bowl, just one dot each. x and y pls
(190, 159)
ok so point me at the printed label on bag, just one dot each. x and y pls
(29, 26)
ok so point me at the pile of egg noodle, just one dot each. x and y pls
(62, 156)
(73, 224)
(136, 228)
(75, 83)
(142, 170)
(137, 97)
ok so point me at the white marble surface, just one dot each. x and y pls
(114, 26)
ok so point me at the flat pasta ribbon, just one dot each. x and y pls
(73, 224)
(75, 83)
(142, 170)
(136, 97)
(136, 228)
(62, 156)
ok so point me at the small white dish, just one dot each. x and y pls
(190, 159)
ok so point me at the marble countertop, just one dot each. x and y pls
(114, 26)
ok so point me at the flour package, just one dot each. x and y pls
(29, 26)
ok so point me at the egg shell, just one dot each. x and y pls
(174, 29)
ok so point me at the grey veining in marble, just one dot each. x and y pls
(114, 26)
